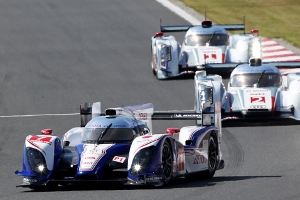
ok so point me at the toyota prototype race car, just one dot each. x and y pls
(203, 44)
(257, 93)
(119, 147)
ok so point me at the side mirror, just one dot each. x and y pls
(188, 142)
(206, 114)
(206, 119)
(66, 143)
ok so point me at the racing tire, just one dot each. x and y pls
(166, 163)
(212, 156)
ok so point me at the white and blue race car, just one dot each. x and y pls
(257, 93)
(203, 44)
(119, 147)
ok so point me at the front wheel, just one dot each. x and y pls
(166, 163)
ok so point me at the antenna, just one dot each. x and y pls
(160, 23)
(244, 21)
(205, 12)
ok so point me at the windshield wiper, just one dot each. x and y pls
(260, 77)
(103, 133)
(212, 36)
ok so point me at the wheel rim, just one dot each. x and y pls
(212, 155)
(166, 161)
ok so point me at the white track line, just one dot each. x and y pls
(38, 115)
(179, 11)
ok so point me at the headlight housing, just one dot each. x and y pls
(141, 160)
(36, 161)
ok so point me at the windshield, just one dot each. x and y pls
(248, 80)
(91, 135)
(201, 40)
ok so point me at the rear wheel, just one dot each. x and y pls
(212, 156)
(166, 163)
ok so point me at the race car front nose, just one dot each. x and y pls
(36, 161)
(141, 160)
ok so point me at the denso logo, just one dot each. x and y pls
(257, 100)
(87, 163)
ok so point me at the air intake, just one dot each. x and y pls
(255, 62)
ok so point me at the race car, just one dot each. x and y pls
(118, 147)
(257, 93)
(204, 43)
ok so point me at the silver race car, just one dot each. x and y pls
(256, 92)
(203, 44)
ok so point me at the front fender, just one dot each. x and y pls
(147, 149)
(41, 156)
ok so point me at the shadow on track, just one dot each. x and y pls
(177, 183)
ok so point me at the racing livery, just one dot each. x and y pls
(118, 146)
(203, 44)
(256, 92)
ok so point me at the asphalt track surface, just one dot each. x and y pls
(57, 54)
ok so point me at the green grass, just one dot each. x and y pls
(273, 18)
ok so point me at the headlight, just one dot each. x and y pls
(36, 161)
(141, 160)
(165, 55)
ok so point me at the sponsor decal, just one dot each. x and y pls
(87, 163)
(148, 143)
(258, 106)
(211, 56)
(30, 180)
(141, 116)
(119, 126)
(147, 136)
(187, 115)
(199, 159)
(119, 159)
(153, 178)
(94, 125)
(91, 158)
(255, 94)
(257, 100)
(104, 126)
(262, 90)
(40, 139)
(92, 153)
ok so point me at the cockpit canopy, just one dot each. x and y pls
(261, 79)
(113, 130)
(201, 40)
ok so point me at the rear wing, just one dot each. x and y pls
(232, 27)
(145, 113)
(226, 68)
(289, 64)
(184, 28)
